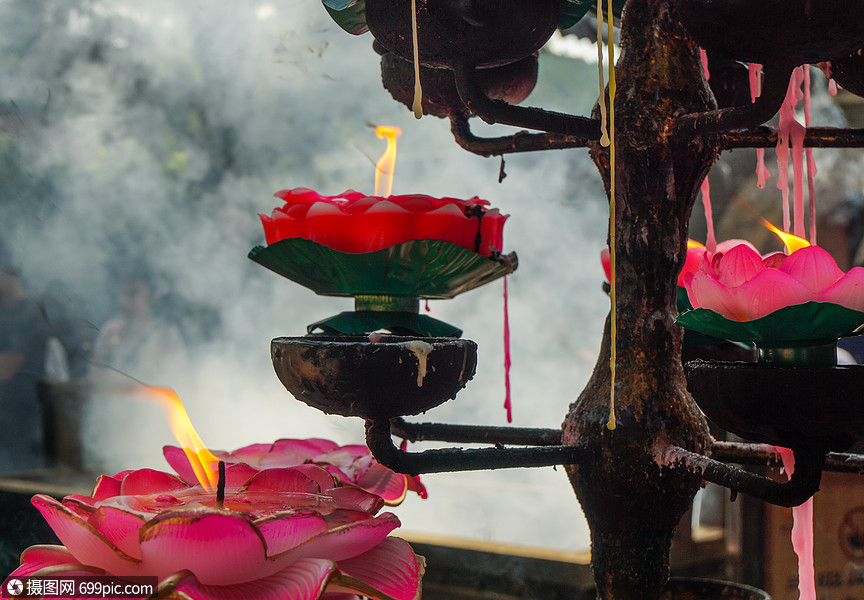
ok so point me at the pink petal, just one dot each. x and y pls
(35, 558)
(391, 567)
(415, 485)
(251, 455)
(848, 291)
(304, 580)
(317, 474)
(352, 498)
(87, 545)
(143, 482)
(345, 541)
(288, 452)
(704, 291)
(770, 290)
(282, 532)
(285, 479)
(219, 548)
(106, 487)
(178, 461)
(813, 267)
(120, 527)
(238, 474)
(740, 264)
(383, 482)
(692, 262)
(774, 260)
(727, 245)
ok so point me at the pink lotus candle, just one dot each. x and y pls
(742, 285)
(289, 532)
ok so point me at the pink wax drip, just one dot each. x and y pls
(832, 87)
(791, 132)
(711, 240)
(802, 535)
(428, 309)
(507, 404)
(811, 162)
(762, 172)
(704, 57)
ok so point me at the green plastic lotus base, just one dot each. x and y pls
(398, 323)
(419, 268)
(811, 323)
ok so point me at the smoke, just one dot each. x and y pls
(146, 137)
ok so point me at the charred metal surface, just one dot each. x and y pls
(472, 434)
(800, 487)
(767, 455)
(456, 459)
(511, 83)
(394, 376)
(521, 141)
(816, 137)
(848, 72)
(747, 116)
(632, 501)
(497, 111)
(792, 407)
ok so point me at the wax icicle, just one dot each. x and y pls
(507, 400)
(604, 136)
(762, 172)
(703, 56)
(802, 535)
(790, 136)
(417, 106)
(711, 240)
(811, 162)
(613, 359)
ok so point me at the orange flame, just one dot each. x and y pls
(204, 463)
(694, 244)
(386, 165)
(792, 242)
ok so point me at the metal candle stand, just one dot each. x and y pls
(636, 482)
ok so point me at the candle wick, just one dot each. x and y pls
(220, 487)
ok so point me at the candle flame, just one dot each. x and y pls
(386, 165)
(204, 463)
(694, 244)
(792, 242)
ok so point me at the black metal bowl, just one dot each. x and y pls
(787, 32)
(848, 72)
(390, 377)
(481, 33)
(820, 408)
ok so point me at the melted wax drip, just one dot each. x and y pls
(762, 173)
(428, 308)
(711, 241)
(417, 107)
(811, 162)
(604, 136)
(507, 405)
(791, 133)
(613, 313)
(832, 87)
(802, 535)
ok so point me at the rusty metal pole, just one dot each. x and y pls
(631, 500)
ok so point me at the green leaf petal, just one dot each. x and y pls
(350, 15)
(419, 268)
(811, 322)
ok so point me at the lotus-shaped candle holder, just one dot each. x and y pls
(793, 309)
(374, 377)
(387, 253)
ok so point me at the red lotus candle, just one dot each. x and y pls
(356, 223)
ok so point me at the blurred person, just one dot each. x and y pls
(24, 337)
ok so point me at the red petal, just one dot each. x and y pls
(120, 527)
(144, 482)
(606, 261)
(352, 498)
(178, 461)
(286, 479)
(383, 482)
(282, 533)
(346, 541)
(39, 557)
(106, 487)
